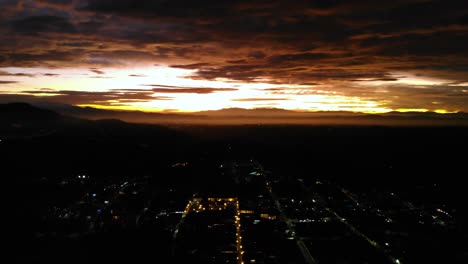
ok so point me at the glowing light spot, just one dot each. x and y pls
(443, 111)
(405, 110)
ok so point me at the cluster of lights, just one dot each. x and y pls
(240, 252)
(219, 204)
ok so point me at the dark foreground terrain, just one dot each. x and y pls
(112, 192)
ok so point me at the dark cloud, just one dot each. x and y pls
(20, 74)
(180, 89)
(119, 57)
(435, 44)
(137, 75)
(272, 89)
(7, 82)
(40, 24)
(42, 59)
(241, 72)
(237, 61)
(309, 84)
(256, 54)
(76, 44)
(91, 26)
(414, 15)
(97, 71)
(148, 8)
(51, 74)
(111, 97)
(299, 58)
(285, 72)
(389, 79)
(192, 66)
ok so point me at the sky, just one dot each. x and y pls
(183, 55)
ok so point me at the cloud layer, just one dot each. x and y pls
(398, 54)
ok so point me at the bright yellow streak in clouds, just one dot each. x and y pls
(424, 110)
(405, 110)
(443, 111)
(319, 102)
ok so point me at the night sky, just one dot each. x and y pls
(361, 56)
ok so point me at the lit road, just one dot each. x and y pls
(289, 223)
(195, 206)
(362, 235)
(240, 252)
(176, 230)
(372, 242)
(302, 247)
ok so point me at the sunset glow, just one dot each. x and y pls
(107, 55)
(174, 99)
(181, 94)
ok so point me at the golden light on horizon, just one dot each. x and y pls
(108, 54)
(407, 110)
(176, 90)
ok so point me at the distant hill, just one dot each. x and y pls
(34, 139)
(127, 116)
(236, 116)
(22, 120)
(25, 120)
(25, 112)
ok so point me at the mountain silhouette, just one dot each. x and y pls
(227, 116)
(19, 120)
(26, 112)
